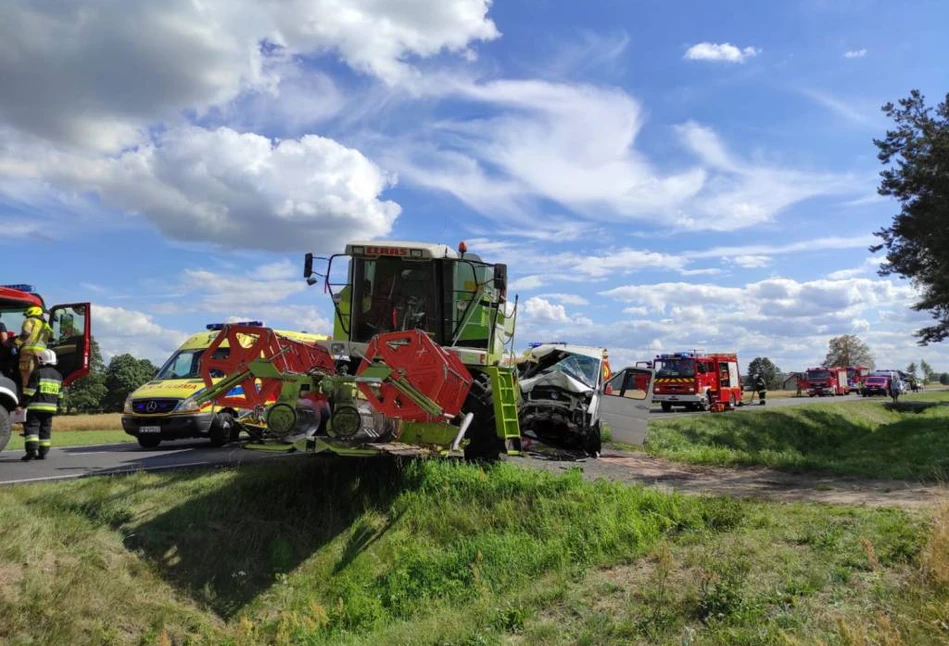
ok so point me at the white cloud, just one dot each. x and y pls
(725, 52)
(543, 311)
(119, 330)
(855, 53)
(566, 299)
(236, 190)
(538, 143)
(165, 56)
(526, 283)
(751, 261)
(842, 108)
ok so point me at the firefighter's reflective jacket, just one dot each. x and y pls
(45, 390)
(36, 332)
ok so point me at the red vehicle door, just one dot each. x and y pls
(72, 339)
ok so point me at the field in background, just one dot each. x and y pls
(104, 422)
(855, 437)
(371, 552)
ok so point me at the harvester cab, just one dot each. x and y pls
(421, 359)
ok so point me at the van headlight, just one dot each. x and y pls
(127, 407)
(187, 406)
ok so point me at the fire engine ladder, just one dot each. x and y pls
(505, 409)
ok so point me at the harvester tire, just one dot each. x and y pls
(149, 441)
(484, 445)
(223, 430)
(5, 427)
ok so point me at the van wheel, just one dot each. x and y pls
(223, 430)
(149, 441)
(593, 444)
(666, 407)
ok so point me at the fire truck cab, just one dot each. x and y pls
(827, 381)
(696, 380)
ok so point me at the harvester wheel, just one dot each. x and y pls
(223, 430)
(149, 441)
(484, 445)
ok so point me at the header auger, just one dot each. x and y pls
(419, 361)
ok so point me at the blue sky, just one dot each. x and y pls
(657, 175)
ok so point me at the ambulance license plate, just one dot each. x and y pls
(142, 430)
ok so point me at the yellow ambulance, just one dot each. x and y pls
(160, 409)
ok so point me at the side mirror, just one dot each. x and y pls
(308, 265)
(500, 278)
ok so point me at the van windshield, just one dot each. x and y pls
(185, 364)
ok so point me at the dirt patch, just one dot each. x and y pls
(761, 483)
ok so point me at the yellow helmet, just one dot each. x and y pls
(34, 310)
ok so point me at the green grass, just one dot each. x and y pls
(316, 551)
(73, 438)
(846, 438)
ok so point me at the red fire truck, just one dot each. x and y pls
(827, 381)
(696, 380)
(856, 375)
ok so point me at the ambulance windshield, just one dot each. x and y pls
(677, 368)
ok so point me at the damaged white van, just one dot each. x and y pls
(566, 398)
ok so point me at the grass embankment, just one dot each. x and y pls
(857, 438)
(368, 552)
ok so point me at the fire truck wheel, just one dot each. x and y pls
(149, 441)
(222, 430)
(731, 401)
(484, 445)
(666, 407)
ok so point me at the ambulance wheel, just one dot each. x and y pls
(484, 445)
(666, 407)
(222, 431)
(149, 441)
(5, 427)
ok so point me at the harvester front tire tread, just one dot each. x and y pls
(484, 445)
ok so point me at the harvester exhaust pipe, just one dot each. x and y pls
(465, 423)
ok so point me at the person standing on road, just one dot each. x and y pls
(32, 341)
(44, 394)
(759, 385)
(895, 387)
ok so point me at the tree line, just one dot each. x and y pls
(106, 387)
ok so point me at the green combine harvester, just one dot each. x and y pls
(421, 361)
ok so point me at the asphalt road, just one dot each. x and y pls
(81, 461)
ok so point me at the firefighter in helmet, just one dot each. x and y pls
(34, 336)
(758, 383)
(607, 373)
(43, 393)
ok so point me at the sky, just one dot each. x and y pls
(658, 176)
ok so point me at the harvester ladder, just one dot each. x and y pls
(505, 409)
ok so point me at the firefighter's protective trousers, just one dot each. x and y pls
(43, 393)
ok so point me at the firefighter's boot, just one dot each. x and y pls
(30, 455)
(41, 455)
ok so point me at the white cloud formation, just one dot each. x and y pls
(566, 299)
(724, 52)
(543, 311)
(119, 330)
(539, 143)
(751, 261)
(237, 190)
(855, 53)
(165, 56)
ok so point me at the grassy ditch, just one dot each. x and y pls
(858, 438)
(315, 551)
